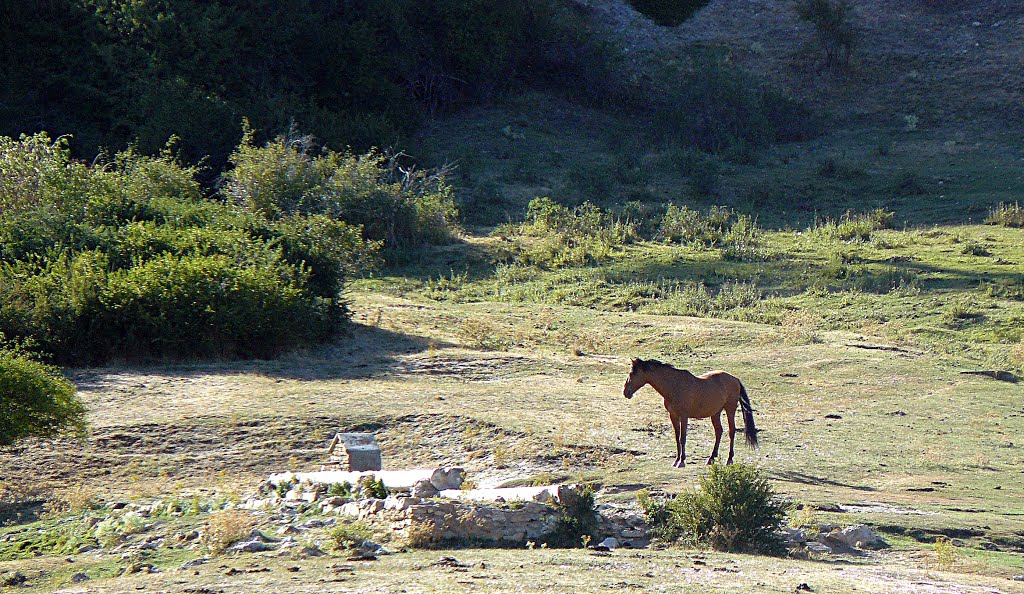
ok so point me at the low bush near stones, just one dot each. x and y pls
(578, 521)
(225, 528)
(735, 509)
(349, 536)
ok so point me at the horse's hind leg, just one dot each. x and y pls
(716, 420)
(730, 416)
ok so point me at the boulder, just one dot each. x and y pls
(857, 536)
(447, 478)
(424, 488)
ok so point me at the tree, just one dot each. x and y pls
(833, 23)
(35, 400)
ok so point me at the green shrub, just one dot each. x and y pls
(371, 488)
(834, 27)
(577, 521)
(208, 306)
(683, 225)
(668, 13)
(35, 400)
(127, 259)
(734, 509)
(570, 236)
(1007, 215)
(344, 537)
(285, 178)
(908, 183)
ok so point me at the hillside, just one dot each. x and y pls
(950, 63)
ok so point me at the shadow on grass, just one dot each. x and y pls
(808, 479)
(360, 352)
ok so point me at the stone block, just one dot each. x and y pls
(355, 452)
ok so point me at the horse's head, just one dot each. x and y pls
(636, 380)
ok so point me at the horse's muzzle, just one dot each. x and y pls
(627, 393)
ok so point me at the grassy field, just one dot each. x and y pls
(851, 338)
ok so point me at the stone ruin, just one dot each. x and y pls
(433, 505)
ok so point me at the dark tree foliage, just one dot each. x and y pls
(668, 13)
(358, 72)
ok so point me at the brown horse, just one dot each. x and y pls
(687, 395)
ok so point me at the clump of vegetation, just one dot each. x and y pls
(734, 509)
(577, 521)
(668, 13)
(127, 259)
(371, 488)
(399, 206)
(834, 26)
(35, 399)
(348, 536)
(854, 226)
(113, 530)
(342, 489)
(908, 183)
(1007, 215)
(225, 528)
(557, 236)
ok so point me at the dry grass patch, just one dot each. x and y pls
(225, 528)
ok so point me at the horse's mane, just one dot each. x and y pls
(648, 364)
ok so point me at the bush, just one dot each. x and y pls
(833, 24)
(399, 206)
(577, 521)
(570, 236)
(225, 528)
(35, 399)
(668, 13)
(127, 259)
(735, 509)
(1007, 215)
(349, 536)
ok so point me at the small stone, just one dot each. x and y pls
(293, 568)
(193, 563)
(79, 578)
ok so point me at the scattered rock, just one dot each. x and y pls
(817, 547)
(609, 544)
(794, 535)
(833, 416)
(79, 578)
(803, 587)
(424, 489)
(448, 478)
(293, 568)
(251, 546)
(12, 578)
(858, 536)
(449, 562)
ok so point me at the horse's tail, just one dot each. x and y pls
(748, 418)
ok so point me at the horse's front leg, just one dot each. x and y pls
(683, 425)
(675, 431)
